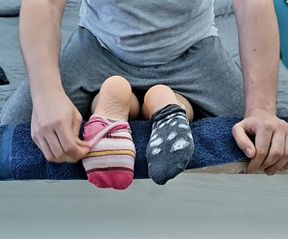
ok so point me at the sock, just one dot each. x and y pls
(171, 145)
(110, 163)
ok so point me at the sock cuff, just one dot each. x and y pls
(105, 118)
(167, 110)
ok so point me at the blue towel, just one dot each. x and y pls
(21, 159)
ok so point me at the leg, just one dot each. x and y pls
(110, 163)
(171, 144)
(18, 108)
(159, 96)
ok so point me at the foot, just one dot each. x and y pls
(110, 164)
(171, 144)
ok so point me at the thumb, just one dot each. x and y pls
(83, 148)
(243, 141)
(76, 125)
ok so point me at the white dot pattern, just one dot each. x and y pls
(156, 151)
(172, 135)
(183, 126)
(154, 136)
(156, 142)
(179, 144)
(173, 123)
(162, 125)
(170, 116)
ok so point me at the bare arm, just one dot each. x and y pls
(259, 51)
(55, 120)
(40, 37)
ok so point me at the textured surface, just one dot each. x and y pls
(214, 146)
(191, 206)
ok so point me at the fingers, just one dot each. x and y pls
(282, 163)
(243, 141)
(70, 144)
(76, 125)
(52, 149)
(61, 144)
(276, 152)
(42, 144)
(55, 146)
(83, 143)
(262, 144)
(285, 168)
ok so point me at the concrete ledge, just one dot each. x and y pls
(190, 206)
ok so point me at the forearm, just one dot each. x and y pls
(259, 51)
(40, 37)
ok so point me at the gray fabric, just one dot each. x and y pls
(149, 32)
(11, 60)
(9, 7)
(223, 7)
(199, 74)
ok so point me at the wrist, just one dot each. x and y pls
(43, 83)
(45, 89)
(261, 110)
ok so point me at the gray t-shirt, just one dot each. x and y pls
(148, 32)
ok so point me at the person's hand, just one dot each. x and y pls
(270, 152)
(55, 127)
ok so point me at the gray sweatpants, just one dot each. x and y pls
(204, 74)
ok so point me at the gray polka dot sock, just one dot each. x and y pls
(171, 144)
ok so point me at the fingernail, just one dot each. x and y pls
(248, 152)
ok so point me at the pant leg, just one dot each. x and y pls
(18, 108)
(208, 78)
(220, 86)
(83, 69)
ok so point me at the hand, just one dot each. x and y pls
(270, 152)
(55, 127)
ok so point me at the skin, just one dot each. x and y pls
(56, 121)
(117, 101)
(259, 51)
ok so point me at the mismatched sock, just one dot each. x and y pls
(171, 144)
(110, 163)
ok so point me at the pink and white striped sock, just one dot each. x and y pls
(110, 163)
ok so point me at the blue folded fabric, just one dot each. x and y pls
(21, 159)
